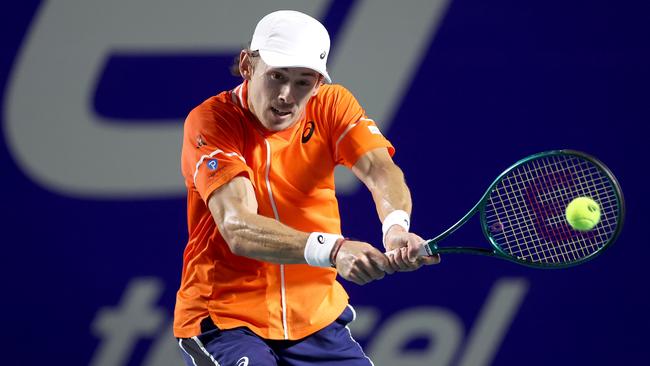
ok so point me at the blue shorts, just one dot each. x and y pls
(332, 345)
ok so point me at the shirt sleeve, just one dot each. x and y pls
(212, 153)
(353, 132)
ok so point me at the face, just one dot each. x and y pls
(278, 96)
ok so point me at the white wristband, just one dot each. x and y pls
(319, 247)
(397, 217)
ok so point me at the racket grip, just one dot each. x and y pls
(425, 250)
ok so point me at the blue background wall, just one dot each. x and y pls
(499, 80)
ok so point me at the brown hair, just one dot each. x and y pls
(234, 68)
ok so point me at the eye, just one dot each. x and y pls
(276, 75)
(304, 83)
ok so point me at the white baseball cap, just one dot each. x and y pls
(288, 38)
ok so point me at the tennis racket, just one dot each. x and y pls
(523, 212)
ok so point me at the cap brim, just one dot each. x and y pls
(275, 59)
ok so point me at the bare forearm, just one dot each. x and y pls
(264, 239)
(389, 190)
(385, 181)
(392, 197)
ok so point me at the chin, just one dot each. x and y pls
(273, 125)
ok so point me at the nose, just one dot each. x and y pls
(285, 94)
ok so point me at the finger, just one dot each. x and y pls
(369, 268)
(392, 262)
(352, 276)
(414, 245)
(406, 265)
(412, 266)
(429, 260)
(378, 263)
(381, 262)
(384, 261)
(361, 274)
(400, 259)
(372, 268)
(390, 267)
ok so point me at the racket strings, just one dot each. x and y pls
(583, 244)
(580, 247)
(525, 211)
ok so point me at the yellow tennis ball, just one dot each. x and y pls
(583, 213)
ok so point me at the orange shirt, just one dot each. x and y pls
(292, 172)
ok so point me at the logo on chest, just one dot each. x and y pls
(308, 131)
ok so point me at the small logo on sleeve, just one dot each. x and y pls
(321, 239)
(200, 141)
(374, 130)
(212, 164)
(322, 55)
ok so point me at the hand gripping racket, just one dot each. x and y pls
(523, 212)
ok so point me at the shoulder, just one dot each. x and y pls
(332, 93)
(217, 112)
(334, 101)
(336, 105)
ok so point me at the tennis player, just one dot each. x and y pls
(259, 271)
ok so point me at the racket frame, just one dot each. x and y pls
(431, 247)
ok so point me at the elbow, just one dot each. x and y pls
(232, 230)
(237, 248)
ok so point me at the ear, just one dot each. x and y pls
(245, 65)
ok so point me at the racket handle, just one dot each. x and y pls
(425, 250)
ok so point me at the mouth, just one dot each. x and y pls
(280, 113)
